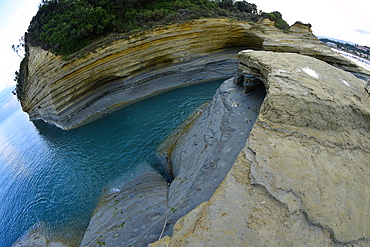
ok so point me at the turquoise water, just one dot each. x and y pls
(53, 178)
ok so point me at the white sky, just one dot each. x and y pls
(347, 20)
(15, 16)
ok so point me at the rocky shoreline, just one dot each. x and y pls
(69, 93)
(288, 168)
(302, 178)
(201, 158)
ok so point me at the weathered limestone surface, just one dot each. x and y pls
(130, 213)
(203, 156)
(135, 212)
(303, 177)
(71, 93)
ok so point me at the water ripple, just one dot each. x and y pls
(52, 179)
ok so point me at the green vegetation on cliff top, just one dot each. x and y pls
(65, 27)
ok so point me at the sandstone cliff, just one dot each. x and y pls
(73, 92)
(303, 177)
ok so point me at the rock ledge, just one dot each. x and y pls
(303, 177)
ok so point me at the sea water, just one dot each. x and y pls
(52, 178)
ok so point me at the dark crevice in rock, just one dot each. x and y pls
(363, 76)
(164, 168)
(248, 81)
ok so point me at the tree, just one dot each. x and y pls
(246, 7)
(20, 47)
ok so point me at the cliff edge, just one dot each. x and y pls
(69, 93)
(302, 178)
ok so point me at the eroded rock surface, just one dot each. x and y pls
(314, 126)
(204, 155)
(38, 236)
(303, 177)
(135, 212)
(69, 93)
(131, 213)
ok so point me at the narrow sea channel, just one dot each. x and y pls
(52, 178)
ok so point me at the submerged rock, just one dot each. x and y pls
(39, 236)
(131, 213)
(303, 177)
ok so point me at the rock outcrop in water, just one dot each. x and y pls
(135, 212)
(300, 178)
(303, 176)
(131, 213)
(73, 92)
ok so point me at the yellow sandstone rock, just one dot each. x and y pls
(73, 92)
(303, 177)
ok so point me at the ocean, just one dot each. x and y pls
(52, 178)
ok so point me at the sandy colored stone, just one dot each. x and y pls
(242, 214)
(69, 93)
(312, 142)
(303, 177)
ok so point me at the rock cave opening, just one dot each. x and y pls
(245, 41)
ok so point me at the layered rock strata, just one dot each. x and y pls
(303, 176)
(69, 93)
(144, 207)
(301, 179)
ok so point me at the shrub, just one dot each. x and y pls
(66, 26)
(276, 16)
